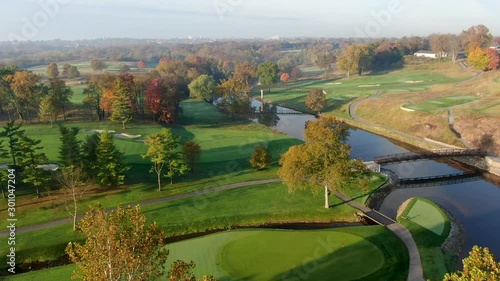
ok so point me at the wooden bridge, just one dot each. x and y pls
(433, 154)
(277, 112)
(439, 180)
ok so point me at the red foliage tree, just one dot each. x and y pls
(152, 101)
(141, 64)
(284, 77)
(494, 58)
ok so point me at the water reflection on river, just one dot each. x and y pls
(475, 204)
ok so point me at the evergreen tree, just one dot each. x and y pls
(29, 158)
(110, 166)
(89, 155)
(70, 151)
(13, 132)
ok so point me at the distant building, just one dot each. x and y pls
(430, 54)
(496, 47)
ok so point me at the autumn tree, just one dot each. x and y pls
(192, 153)
(478, 59)
(387, 54)
(141, 64)
(123, 105)
(65, 69)
(110, 163)
(152, 102)
(350, 60)
(73, 186)
(453, 46)
(261, 158)
(268, 73)
(203, 88)
(234, 98)
(493, 58)
(478, 36)
(295, 74)
(24, 88)
(316, 100)
(244, 72)
(479, 265)
(284, 77)
(119, 246)
(439, 45)
(324, 160)
(98, 65)
(48, 110)
(52, 70)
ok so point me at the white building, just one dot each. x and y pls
(430, 54)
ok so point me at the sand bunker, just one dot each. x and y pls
(126, 136)
(336, 83)
(367, 86)
(48, 167)
(413, 82)
(4, 166)
(99, 131)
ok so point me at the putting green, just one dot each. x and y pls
(281, 255)
(427, 215)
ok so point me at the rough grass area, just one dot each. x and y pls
(424, 219)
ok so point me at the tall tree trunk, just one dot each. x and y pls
(327, 202)
(123, 125)
(159, 180)
(64, 113)
(37, 193)
(348, 74)
(8, 112)
(75, 211)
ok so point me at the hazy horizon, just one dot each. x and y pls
(166, 19)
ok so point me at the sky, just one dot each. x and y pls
(164, 19)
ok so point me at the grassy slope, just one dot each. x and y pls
(435, 262)
(227, 146)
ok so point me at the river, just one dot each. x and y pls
(475, 204)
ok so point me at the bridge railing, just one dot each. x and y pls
(401, 157)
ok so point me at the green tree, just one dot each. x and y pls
(61, 93)
(162, 150)
(356, 59)
(110, 166)
(47, 110)
(30, 158)
(479, 265)
(70, 150)
(52, 70)
(268, 73)
(73, 72)
(119, 246)
(323, 162)
(316, 100)
(261, 158)
(192, 153)
(203, 87)
(3, 172)
(13, 133)
(65, 69)
(89, 156)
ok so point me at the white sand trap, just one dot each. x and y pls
(406, 109)
(336, 83)
(413, 82)
(126, 136)
(48, 167)
(368, 86)
(4, 166)
(99, 131)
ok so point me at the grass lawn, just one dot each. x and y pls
(439, 103)
(78, 96)
(51, 274)
(361, 253)
(429, 227)
(227, 146)
(247, 206)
